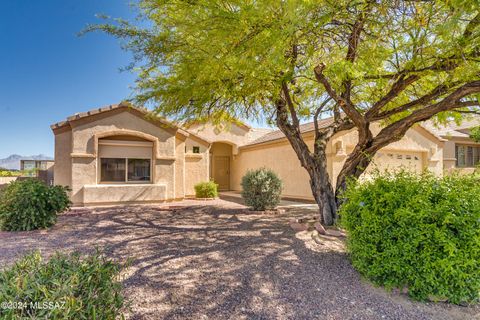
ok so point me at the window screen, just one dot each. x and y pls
(467, 156)
(112, 170)
(138, 170)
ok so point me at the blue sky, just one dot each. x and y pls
(47, 72)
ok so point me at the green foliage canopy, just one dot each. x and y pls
(475, 134)
(223, 59)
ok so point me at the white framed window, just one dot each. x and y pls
(126, 170)
(467, 156)
(125, 161)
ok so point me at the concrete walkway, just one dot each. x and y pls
(235, 196)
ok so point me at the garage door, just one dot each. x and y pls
(394, 161)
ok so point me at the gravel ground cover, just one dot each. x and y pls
(216, 260)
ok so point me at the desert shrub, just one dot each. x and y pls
(419, 232)
(206, 189)
(69, 286)
(261, 189)
(9, 173)
(31, 204)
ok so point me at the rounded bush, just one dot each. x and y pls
(417, 232)
(69, 286)
(31, 204)
(261, 189)
(206, 190)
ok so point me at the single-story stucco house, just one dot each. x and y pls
(122, 154)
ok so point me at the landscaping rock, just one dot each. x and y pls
(320, 229)
(298, 226)
(334, 233)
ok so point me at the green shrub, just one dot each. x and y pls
(475, 134)
(422, 233)
(261, 189)
(206, 190)
(66, 287)
(9, 173)
(31, 204)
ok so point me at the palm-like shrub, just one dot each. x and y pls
(422, 233)
(261, 189)
(31, 204)
(66, 287)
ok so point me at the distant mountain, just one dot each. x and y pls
(13, 161)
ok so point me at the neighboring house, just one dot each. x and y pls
(120, 154)
(42, 169)
(461, 153)
(33, 165)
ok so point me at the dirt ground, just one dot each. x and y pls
(217, 260)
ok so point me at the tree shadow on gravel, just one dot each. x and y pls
(221, 261)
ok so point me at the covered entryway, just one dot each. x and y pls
(220, 164)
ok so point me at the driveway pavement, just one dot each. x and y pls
(216, 260)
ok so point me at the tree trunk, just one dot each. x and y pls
(356, 164)
(322, 191)
(315, 164)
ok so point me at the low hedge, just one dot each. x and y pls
(31, 204)
(422, 233)
(206, 189)
(69, 286)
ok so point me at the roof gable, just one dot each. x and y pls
(98, 113)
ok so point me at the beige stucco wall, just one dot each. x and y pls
(107, 194)
(77, 166)
(416, 142)
(4, 181)
(174, 171)
(180, 167)
(63, 165)
(280, 157)
(231, 133)
(449, 159)
(196, 165)
(84, 169)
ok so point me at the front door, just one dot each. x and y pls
(221, 172)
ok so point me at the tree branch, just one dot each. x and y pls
(353, 41)
(398, 87)
(435, 93)
(318, 111)
(451, 102)
(348, 108)
(290, 104)
(465, 104)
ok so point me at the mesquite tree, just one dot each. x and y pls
(393, 62)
